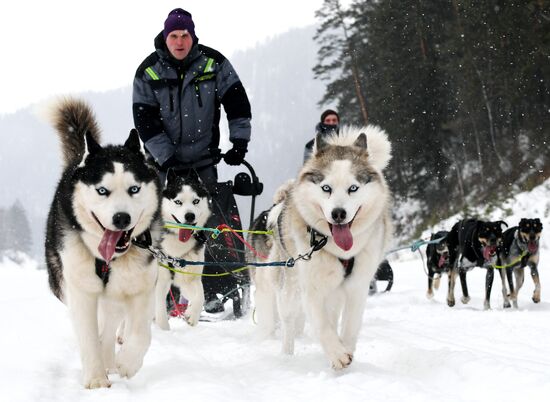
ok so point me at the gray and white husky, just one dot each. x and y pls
(185, 200)
(341, 195)
(107, 198)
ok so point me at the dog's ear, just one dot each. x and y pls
(171, 176)
(132, 143)
(361, 141)
(91, 144)
(320, 142)
(193, 175)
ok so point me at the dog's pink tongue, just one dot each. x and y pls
(342, 236)
(487, 252)
(185, 234)
(532, 247)
(442, 260)
(108, 243)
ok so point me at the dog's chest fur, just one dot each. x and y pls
(132, 273)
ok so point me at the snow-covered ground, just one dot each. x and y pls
(410, 348)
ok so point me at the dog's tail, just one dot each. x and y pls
(73, 118)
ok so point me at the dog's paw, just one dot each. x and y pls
(429, 295)
(486, 305)
(191, 319)
(120, 339)
(342, 361)
(465, 299)
(97, 382)
(451, 302)
(536, 299)
(127, 363)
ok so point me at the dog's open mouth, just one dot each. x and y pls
(533, 247)
(342, 235)
(443, 258)
(489, 252)
(184, 234)
(113, 241)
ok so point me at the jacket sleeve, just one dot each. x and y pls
(235, 102)
(148, 121)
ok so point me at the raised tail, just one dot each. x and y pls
(72, 119)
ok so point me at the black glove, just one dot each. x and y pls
(170, 162)
(235, 155)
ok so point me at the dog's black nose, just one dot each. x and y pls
(338, 215)
(189, 217)
(121, 220)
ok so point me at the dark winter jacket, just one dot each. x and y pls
(176, 104)
(320, 128)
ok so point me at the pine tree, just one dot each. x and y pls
(18, 231)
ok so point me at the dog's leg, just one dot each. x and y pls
(110, 316)
(266, 281)
(287, 300)
(519, 276)
(465, 295)
(339, 356)
(451, 290)
(193, 291)
(430, 292)
(352, 318)
(513, 293)
(83, 311)
(161, 290)
(139, 310)
(489, 278)
(505, 296)
(536, 280)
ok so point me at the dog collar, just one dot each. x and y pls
(317, 240)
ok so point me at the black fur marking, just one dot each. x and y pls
(348, 266)
(102, 270)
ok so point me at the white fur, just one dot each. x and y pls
(333, 304)
(96, 311)
(190, 284)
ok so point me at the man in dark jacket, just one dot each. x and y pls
(177, 94)
(328, 124)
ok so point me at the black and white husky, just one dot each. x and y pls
(340, 195)
(107, 198)
(185, 200)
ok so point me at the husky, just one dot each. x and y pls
(107, 201)
(185, 200)
(520, 248)
(334, 222)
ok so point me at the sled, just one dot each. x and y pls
(234, 286)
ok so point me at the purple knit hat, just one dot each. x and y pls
(178, 18)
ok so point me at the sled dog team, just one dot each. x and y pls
(333, 221)
(474, 243)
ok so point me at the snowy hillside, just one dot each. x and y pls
(410, 348)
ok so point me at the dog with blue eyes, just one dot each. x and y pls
(185, 201)
(336, 215)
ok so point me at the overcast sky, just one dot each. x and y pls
(63, 46)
